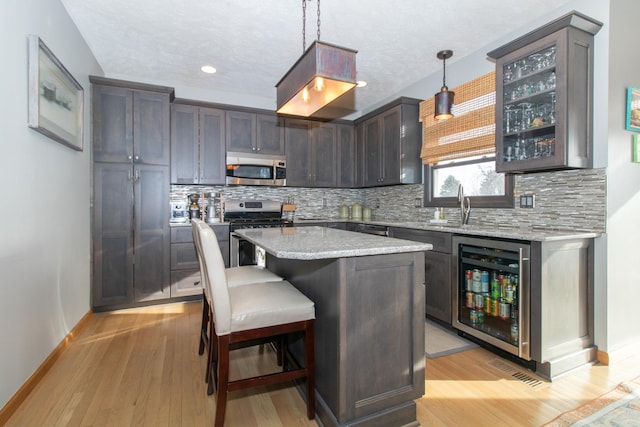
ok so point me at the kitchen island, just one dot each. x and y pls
(369, 299)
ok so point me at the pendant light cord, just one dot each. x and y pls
(444, 72)
(304, 24)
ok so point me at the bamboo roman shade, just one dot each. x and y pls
(471, 132)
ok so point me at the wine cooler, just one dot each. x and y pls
(491, 292)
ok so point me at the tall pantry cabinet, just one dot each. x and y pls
(130, 212)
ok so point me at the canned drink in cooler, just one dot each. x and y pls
(479, 302)
(468, 280)
(484, 282)
(470, 301)
(473, 316)
(505, 310)
(488, 305)
(495, 309)
(495, 289)
(480, 316)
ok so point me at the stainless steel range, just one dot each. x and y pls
(251, 214)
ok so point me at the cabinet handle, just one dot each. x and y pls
(137, 176)
(129, 157)
(136, 158)
(129, 175)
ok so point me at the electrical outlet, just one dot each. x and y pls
(527, 201)
(417, 202)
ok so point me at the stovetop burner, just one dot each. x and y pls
(254, 214)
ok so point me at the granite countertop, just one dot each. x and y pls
(307, 243)
(536, 234)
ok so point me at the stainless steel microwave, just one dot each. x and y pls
(256, 169)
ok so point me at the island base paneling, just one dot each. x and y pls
(369, 335)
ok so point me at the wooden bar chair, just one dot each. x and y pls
(236, 276)
(249, 314)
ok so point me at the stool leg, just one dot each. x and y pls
(223, 379)
(309, 340)
(204, 324)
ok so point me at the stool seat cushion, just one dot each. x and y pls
(265, 304)
(246, 274)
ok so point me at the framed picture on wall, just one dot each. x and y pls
(633, 109)
(56, 99)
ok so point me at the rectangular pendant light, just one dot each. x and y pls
(323, 73)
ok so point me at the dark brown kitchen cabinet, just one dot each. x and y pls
(438, 269)
(130, 252)
(544, 97)
(130, 125)
(130, 214)
(197, 145)
(347, 156)
(392, 141)
(185, 269)
(254, 133)
(311, 153)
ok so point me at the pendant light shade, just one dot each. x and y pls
(323, 73)
(444, 98)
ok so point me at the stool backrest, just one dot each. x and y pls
(216, 279)
(195, 223)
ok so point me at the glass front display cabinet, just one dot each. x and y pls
(544, 97)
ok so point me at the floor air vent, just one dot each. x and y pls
(516, 373)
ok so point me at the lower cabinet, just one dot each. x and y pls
(185, 269)
(438, 271)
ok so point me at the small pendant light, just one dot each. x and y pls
(444, 98)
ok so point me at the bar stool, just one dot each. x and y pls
(250, 313)
(236, 276)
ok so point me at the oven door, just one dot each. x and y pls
(242, 251)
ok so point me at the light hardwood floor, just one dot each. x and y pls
(141, 367)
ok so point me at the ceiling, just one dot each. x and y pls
(253, 43)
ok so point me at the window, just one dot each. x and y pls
(481, 183)
(461, 150)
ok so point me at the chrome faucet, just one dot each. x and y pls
(465, 206)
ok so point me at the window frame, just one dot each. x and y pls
(505, 201)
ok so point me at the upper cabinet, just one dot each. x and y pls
(197, 145)
(347, 156)
(311, 153)
(254, 133)
(130, 125)
(392, 141)
(544, 96)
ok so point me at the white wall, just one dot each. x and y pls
(44, 219)
(623, 184)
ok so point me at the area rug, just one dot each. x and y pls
(619, 407)
(439, 341)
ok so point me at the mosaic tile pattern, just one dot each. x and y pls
(565, 200)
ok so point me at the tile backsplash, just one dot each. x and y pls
(565, 200)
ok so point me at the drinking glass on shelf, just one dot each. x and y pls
(527, 114)
(550, 82)
(550, 56)
(508, 72)
(551, 116)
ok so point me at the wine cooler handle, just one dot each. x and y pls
(524, 314)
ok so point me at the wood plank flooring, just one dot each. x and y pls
(141, 367)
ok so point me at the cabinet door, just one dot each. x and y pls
(184, 144)
(270, 134)
(373, 146)
(298, 141)
(323, 156)
(151, 127)
(437, 280)
(152, 234)
(391, 147)
(112, 237)
(112, 124)
(346, 152)
(212, 148)
(241, 131)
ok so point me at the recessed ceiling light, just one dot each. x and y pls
(361, 83)
(208, 69)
